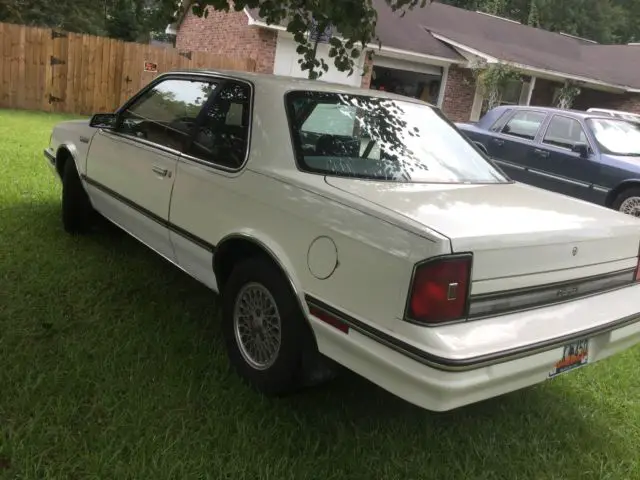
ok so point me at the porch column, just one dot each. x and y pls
(443, 85)
(476, 107)
(532, 85)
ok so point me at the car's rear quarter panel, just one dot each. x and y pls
(375, 258)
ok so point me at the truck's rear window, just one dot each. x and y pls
(381, 139)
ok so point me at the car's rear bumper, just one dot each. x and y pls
(439, 383)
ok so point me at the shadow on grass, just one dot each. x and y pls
(139, 330)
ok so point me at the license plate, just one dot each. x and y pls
(575, 355)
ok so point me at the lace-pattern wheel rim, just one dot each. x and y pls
(257, 326)
(631, 206)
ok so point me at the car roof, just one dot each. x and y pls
(568, 112)
(283, 84)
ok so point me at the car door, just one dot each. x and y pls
(512, 145)
(208, 194)
(557, 166)
(131, 169)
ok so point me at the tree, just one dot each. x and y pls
(533, 20)
(122, 22)
(352, 23)
(605, 21)
(131, 20)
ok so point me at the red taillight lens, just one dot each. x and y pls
(440, 289)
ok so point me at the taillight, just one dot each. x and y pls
(638, 266)
(440, 289)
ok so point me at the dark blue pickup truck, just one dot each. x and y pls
(584, 155)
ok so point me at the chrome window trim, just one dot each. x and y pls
(210, 77)
(138, 142)
(217, 166)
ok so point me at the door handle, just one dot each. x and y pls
(497, 141)
(541, 153)
(160, 171)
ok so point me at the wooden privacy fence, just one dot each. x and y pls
(43, 69)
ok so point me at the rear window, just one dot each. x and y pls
(381, 139)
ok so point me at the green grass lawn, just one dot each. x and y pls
(112, 367)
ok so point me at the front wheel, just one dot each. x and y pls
(265, 333)
(628, 201)
(77, 212)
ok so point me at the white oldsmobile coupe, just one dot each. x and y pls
(355, 226)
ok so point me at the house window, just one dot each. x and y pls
(511, 93)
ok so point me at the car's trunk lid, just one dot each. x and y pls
(512, 229)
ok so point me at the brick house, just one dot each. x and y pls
(428, 53)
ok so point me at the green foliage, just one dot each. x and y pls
(533, 20)
(567, 95)
(494, 7)
(352, 24)
(131, 20)
(605, 21)
(492, 78)
(122, 22)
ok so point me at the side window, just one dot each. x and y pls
(564, 132)
(524, 124)
(166, 113)
(499, 123)
(223, 136)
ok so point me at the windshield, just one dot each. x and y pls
(381, 139)
(616, 137)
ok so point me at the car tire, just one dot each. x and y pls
(77, 212)
(260, 311)
(628, 201)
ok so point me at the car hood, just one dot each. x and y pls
(627, 160)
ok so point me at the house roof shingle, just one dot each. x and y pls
(505, 40)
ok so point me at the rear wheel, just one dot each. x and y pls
(77, 212)
(628, 201)
(267, 338)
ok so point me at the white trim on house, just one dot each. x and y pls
(577, 38)
(258, 23)
(465, 48)
(408, 66)
(541, 72)
(406, 54)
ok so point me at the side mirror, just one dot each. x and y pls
(104, 120)
(582, 149)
